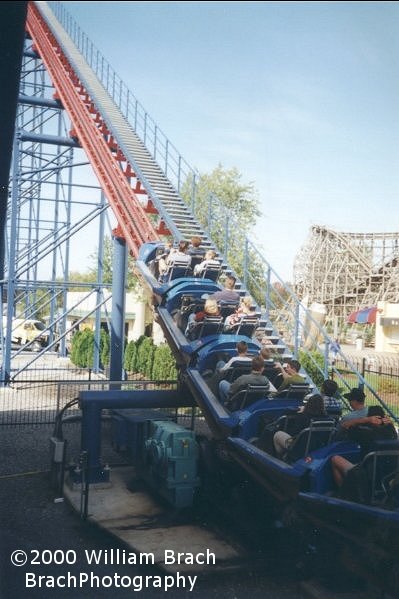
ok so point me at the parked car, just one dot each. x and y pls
(24, 331)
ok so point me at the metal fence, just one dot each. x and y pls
(381, 373)
(39, 394)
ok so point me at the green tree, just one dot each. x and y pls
(240, 199)
(36, 304)
(127, 360)
(313, 363)
(145, 357)
(105, 346)
(90, 276)
(134, 360)
(89, 348)
(75, 345)
(227, 208)
(82, 350)
(79, 277)
(107, 265)
(164, 367)
(154, 362)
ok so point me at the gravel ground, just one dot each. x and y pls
(31, 520)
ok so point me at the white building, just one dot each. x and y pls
(387, 327)
(138, 314)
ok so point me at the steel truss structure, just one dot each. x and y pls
(347, 271)
(75, 111)
(53, 199)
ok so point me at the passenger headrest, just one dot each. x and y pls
(385, 445)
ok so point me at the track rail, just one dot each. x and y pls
(88, 128)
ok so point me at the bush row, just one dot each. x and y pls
(154, 362)
(82, 348)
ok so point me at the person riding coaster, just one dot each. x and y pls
(172, 296)
(303, 479)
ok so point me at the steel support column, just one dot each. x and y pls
(118, 308)
(6, 365)
(100, 274)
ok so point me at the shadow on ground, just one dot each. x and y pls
(31, 521)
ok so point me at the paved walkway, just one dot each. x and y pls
(373, 357)
(32, 522)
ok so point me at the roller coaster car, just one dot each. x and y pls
(317, 435)
(161, 290)
(305, 481)
(246, 397)
(297, 391)
(252, 419)
(239, 368)
(209, 325)
(365, 515)
(188, 290)
(197, 257)
(211, 272)
(372, 478)
(273, 374)
(247, 326)
(189, 305)
(223, 348)
(177, 270)
(203, 352)
(227, 308)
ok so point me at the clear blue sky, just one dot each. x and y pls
(302, 97)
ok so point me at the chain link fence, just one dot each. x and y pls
(37, 395)
(381, 372)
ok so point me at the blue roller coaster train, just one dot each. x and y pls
(142, 176)
(303, 480)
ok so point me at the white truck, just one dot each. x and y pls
(25, 330)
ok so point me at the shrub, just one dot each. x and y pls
(387, 385)
(105, 346)
(145, 354)
(82, 352)
(313, 363)
(164, 367)
(134, 362)
(153, 362)
(75, 341)
(129, 351)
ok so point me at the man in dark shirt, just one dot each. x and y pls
(256, 378)
(228, 294)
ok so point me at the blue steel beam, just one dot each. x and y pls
(100, 274)
(34, 236)
(54, 140)
(93, 402)
(118, 308)
(12, 33)
(37, 101)
(30, 54)
(63, 334)
(6, 365)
